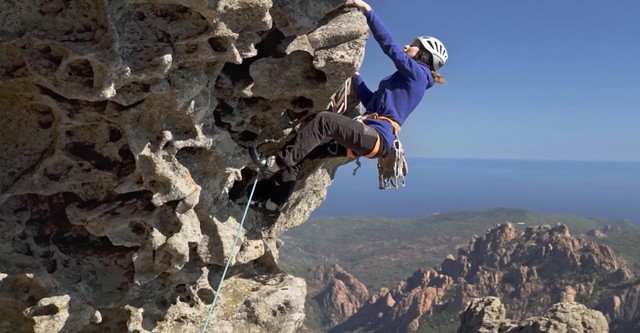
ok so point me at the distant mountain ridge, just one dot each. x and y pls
(518, 262)
(393, 248)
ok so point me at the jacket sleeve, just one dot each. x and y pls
(405, 65)
(362, 91)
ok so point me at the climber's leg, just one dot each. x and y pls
(273, 192)
(263, 189)
(325, 126)
(328, 134)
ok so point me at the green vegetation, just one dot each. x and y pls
(442, 323)
(381, 251)
(313, 315)
(623, 240)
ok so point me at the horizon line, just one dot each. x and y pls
(522, 159)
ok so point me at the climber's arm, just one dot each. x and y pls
(405, 65)
(362, 91)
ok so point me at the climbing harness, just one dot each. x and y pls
(392, 168)
(228, 260)
(376, 146)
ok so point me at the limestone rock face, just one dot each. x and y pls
(488, 315)
(123, 144)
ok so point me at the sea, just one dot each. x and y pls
(594, 189)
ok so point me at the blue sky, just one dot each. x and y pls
(525, 79)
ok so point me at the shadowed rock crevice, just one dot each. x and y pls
(267, 47)
(240, 187)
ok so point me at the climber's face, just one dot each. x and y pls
(411, 50)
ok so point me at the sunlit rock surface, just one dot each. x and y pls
(488, 315)
(123, 155)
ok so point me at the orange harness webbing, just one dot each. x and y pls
(376, 146)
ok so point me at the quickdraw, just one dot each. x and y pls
(392, 168)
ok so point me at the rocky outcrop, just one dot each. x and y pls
(488, 315)
(530, 270)
(401, 308)
(607, 230)
(622, 309)
(338, 293)
(122, 146)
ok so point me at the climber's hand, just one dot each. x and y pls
(358, 3)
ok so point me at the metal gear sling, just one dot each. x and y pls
(392, 167)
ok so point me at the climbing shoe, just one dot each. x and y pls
(262, 208)
(267, 165)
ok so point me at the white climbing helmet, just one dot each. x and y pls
(436, 48)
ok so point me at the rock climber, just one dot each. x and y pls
(333, 134)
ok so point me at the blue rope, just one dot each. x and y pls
(226, 267)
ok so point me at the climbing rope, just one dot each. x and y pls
(338, 103)
(228, 260)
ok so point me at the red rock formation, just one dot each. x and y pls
(342, 296)
(622, 310)
(529, 270)
(400, 308)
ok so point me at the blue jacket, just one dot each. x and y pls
(398, 94)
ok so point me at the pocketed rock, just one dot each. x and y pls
(488, 315)
(123, 145)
